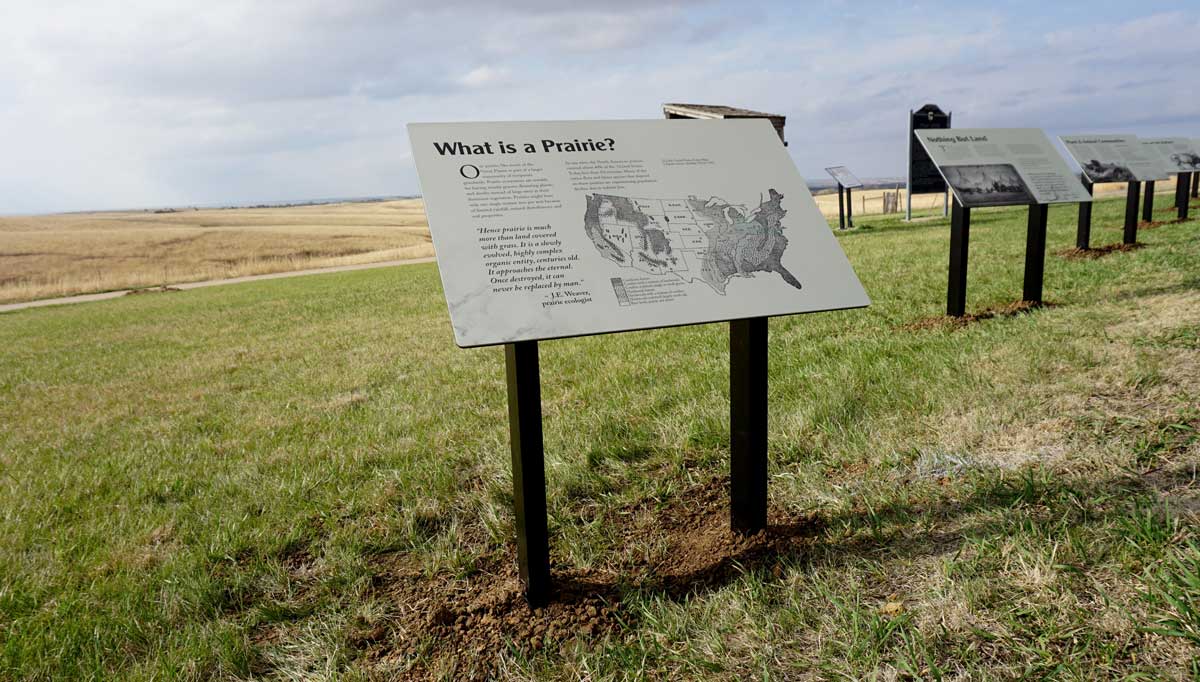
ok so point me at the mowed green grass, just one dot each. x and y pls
(1015, 499)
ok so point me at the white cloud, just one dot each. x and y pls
(145, 103)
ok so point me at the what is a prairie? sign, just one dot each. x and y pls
(567, 228)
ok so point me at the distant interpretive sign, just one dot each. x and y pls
(1114, 158)
(1178, 154)
(566, 228)
(1002, 166)
(923, 176)
(844, 177)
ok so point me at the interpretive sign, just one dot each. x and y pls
(1178, 154)
(844, 177)
(1002, 166)
(566, 228)
(923, 177)
(1114, 158)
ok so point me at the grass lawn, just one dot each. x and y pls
(306, 479)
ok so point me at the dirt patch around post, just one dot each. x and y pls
(462, 628)
(997, 312)
(1098, 251)
(1155, 224)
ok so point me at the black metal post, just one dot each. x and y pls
(1183, 182)
(748, 425)
(841, 209)
(960, 233)
(1195, 184)
(849, 209)
(1132, 194)
(528, 469)
(1083, 234)
(1148, 202)
(1035, 252)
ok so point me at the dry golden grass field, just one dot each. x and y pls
(72, 253)
(76, 253)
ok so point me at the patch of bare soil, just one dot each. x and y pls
(460, 627)
(948, 322)
(1098, 251)
(1154, 224)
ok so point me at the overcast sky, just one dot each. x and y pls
(149, 102)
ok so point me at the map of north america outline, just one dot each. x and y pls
(707, 239)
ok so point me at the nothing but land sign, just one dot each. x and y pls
(1114, 158)
(1002, 166)
(567, 228)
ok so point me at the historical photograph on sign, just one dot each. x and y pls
(1099, 171)
(1113, 158)
(844, 177)
(995, 184)
(1002, 166)
(567, 228)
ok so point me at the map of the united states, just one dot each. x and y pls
(706, 239)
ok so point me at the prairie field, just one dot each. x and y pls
(80, 253)
(72, 253)
(304, 479)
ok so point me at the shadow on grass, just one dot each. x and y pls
(709, 556)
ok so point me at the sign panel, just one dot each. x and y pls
(1179, 154)
(1113, 158)
(1002, 166)
(923, 175)
(844, 177)
(565, 228)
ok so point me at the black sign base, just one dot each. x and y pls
(528, 469)
(1148, 202)
(841, 207)
(1083, 234)
(1035, 253)
(1132, 194)
(747, 448)
(849, 209)
(960, 234)
(1183, 182)
(748, 425)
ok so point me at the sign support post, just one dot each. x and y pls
(1182, 182)
(1035, 253)
(748, 425)
(1148, 202)
(960, 233)
(841, 209)
(908, 176)
(528, 469)
(1131, 212)
(849, 209)
(1195, 185)
(1083, 233)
